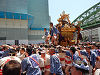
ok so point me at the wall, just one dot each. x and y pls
(17, 6)
(35, 34)
(39, 9)
(99, 33)
(19, 16)
(13, 29)
(92, 34)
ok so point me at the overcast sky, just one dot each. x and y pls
(72, 7)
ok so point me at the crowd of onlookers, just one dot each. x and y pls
(47, 59)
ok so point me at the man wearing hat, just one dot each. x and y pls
(45, 63)
(55, 65)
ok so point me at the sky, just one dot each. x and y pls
(72, 7)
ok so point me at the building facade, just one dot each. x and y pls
(39, 10)
(22, 21)
(91, 35)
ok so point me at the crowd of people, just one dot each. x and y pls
(48, 59)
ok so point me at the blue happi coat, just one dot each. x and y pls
(30, 66)
(55, 65)
(91, 57)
